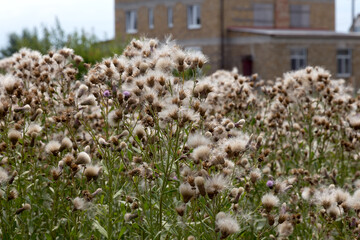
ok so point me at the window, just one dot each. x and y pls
(170, 17)
(300, 16)
(298, 58)
(263, 15)
(151, 18)
(131, 21)
(343, 62)
(193, 16)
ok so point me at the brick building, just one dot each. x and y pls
(268, 37)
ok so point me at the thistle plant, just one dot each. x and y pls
(140, 149)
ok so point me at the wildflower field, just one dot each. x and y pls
(144, 146)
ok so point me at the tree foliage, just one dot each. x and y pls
(44, 39)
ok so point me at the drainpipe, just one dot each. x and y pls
(353, 15)
(222, 35)
(353, 10)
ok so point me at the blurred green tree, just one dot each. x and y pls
(84, 44)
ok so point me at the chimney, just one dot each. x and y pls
(282, 14)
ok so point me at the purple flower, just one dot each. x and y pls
(126, 94)
(107, 93)
(270, 183)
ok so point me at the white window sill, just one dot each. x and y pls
(194, 26)
(344, 75)
(131, 31)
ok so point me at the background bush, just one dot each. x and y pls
(44, 39)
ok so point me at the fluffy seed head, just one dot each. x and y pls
(66, 143)
(33, 130)
(4, 176)
(56, 173)
(13, 194)
(269, 201)
(89, 101)
(114, 117)
(334, 211)
(123, 145)
(14, 136)
(201, 153)
(226, 224)
(196, 140)
(68, 159)
(52, 147)
(255, 175)
(83, 158)
(354, 121)
(82, 89)
(285, 229)
(187, 192)
(139, 131)
(215, 185)
(79, 203)
(199, 181)
(27, 206)
(341, 196)
(130, 216)
(180, 209)
(92, 172)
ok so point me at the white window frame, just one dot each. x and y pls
(170, 17)
(299, 56)
(344, 62)
(151, 18)
(131, 21)
(193, 15)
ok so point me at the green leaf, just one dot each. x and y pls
(122, 231)
(117, 194)
(100, 228)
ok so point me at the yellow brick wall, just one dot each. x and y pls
(237, 13)
(210, 24)
(322, 16)
(272, 59)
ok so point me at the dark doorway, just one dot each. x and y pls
(247, 65)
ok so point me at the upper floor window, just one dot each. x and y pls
(300, 16)
(131, 21)
(343, 58)
(194, 16)
(263, 14)
(151, 18)
(170, 17)
(298, 58)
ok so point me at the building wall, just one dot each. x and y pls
(210, 15)
(322, 13)
(208, 37)
(241, 13)
(271, 56)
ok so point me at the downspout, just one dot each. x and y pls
(352, 16)
(353, 11)
(222, 35)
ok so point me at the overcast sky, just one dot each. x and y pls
(92, 15)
